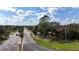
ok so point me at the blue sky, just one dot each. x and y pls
(32, 15)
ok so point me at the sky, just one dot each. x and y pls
(32, 15)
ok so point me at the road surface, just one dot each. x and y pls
(30, 45)
(11, 44)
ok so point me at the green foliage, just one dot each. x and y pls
(59, 32)
(6, 30)
(43, 26)
(55, 45)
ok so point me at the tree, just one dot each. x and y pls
(43, 26)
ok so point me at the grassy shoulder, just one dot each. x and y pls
(71, 46)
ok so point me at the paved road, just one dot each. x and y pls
(30, 45)
(11, 44)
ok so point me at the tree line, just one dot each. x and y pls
(6, 30)
(46, 29)
(55, 31)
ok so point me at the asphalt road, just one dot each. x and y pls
(30, 45)
(11, 44)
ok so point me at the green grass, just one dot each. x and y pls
(72, 46)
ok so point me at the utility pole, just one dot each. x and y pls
(65, 33)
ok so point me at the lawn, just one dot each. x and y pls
(72, 46)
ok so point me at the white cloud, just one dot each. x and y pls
(17, 18)
(27, 13)
(52, 10)
(14, 19)
(39, 15)
(69, 21)
(49, 10)
(43, 8)
(20, 12)
(8, 9)
(75, 21)
(10, 20)
(2, 20)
